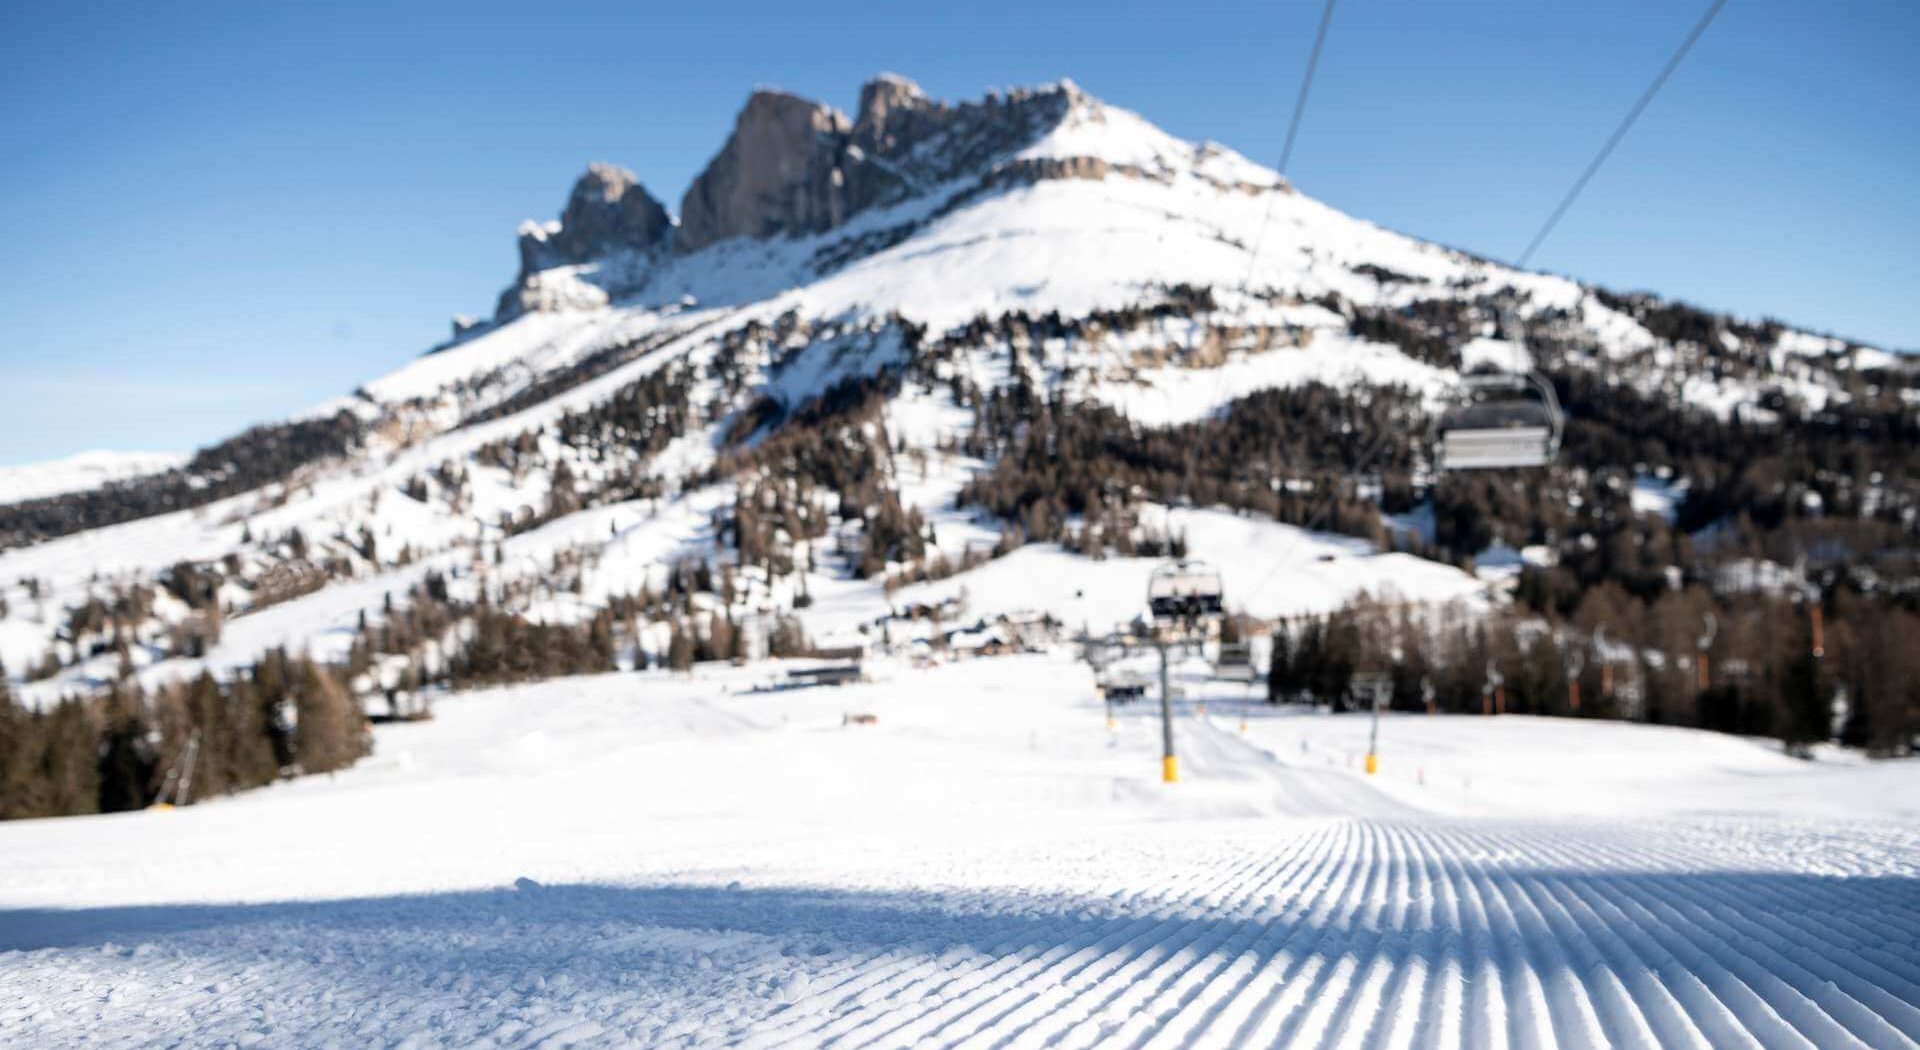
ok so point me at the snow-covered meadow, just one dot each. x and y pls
(670, 860)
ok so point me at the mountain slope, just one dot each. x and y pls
(878, 349)
(79, 472)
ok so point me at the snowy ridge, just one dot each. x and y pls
(77, 473)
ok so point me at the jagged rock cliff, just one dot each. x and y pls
(787, 168)
(791, 166)
(894, 112)
(607, 213)
(607, 210)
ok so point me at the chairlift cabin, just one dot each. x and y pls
(1235, 663)
(1500, 421)
(1123, 688)
(1184, 590)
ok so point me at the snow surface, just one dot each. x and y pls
(529, 335)
(1660, 497)
(80, 472)
(663, 860)
(1167, 396)
(1495, 355)
(1280, 570)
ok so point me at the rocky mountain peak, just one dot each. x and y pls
(795, 166)
(608, 205)
(791, 166)
(608, 210)
(893, 109)
(784, 169)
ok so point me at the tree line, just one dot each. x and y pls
(254, 458)
(120, 750)
(1764, 665)
(1282, 454)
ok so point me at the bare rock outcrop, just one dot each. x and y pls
(789, 167)
(1039, 169)
(607, 211)
(608, 215)
(894, 114)
(794, 166)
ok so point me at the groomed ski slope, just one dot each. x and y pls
(668, 861)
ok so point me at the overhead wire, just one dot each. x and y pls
(1306, 85)
(1560, 210)
(1286, 155)
(1566, 202)
(1293, 132)
(1253, 257)
(1620, 131)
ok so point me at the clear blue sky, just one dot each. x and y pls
(216, 214)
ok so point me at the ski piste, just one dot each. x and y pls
(663, 859)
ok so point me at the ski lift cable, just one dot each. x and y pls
(1476, 442)
(1293, 132)
(1306, 85)
(1619, 132)
(1286, 156)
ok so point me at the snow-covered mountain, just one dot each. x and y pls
(817, 384)
(80, 472)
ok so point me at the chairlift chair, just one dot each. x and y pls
(1235, 662)
(1184, 590)
(1500, 421)
(1123, 687)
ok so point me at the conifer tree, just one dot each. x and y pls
(273, 692)
(719, 638)
(1806, 711)
(789, 638)
(71, 759)
(126, 772)
(680, 649)
(329, 733)
(207, 716)
(600, 642)
(1280, 673)
(249, 759)
(737, 641)
(19, 746)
